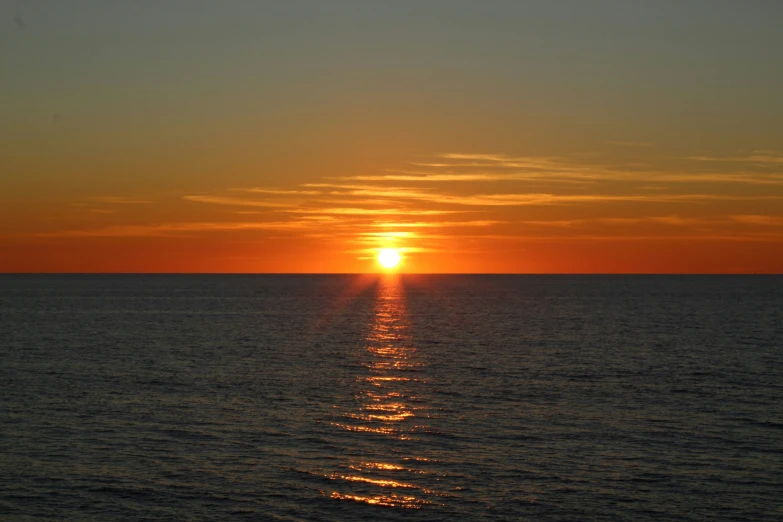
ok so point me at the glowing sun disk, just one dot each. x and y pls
(389, 257)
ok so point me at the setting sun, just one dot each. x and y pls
(389, 257)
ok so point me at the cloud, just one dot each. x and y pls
(494, 167)
(168, 229)
(371, 211)
(672, 220)
(119, 200)
(464, 156)
(676, 220)
(322, 219)
(280, 192)
(739, 237)
(564, 223)
(502, 161)
(758, 157)
(756, 219)
(438, 224)
(524, 199)
(387, 235)
(581, 177)
(373, 251)
(225, 200)
(425, 177)
(740, 177)
(663, 220)
(630, 143)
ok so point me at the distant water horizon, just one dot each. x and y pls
(391, 396)
(402, 273)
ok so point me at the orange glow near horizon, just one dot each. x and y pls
(474, 215)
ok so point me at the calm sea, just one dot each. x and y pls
(391, 398)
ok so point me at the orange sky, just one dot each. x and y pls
(446, 213)
(509, 138)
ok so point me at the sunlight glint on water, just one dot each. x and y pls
(387, 403)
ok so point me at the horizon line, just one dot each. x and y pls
(403, 273)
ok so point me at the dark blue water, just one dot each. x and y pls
(372, 398)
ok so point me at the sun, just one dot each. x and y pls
(389, 257)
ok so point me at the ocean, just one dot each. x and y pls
(413, 397)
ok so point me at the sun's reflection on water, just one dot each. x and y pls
(386, 412)
(382, 500)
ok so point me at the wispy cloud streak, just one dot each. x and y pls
(225, 200)
(277, 192)
(758, 157)
(372, 212)
(755, 219)
(437, 224)
(168, 229)
(643, 144)
(119, 200)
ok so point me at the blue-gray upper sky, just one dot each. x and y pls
(644, 69)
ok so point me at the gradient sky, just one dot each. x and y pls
(302, 136)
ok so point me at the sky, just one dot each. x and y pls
(569, 136)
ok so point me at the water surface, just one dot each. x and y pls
(384, 398)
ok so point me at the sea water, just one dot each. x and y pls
(341, 397)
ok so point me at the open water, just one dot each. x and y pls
(391, 398)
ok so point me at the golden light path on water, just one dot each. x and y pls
(386, 409)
